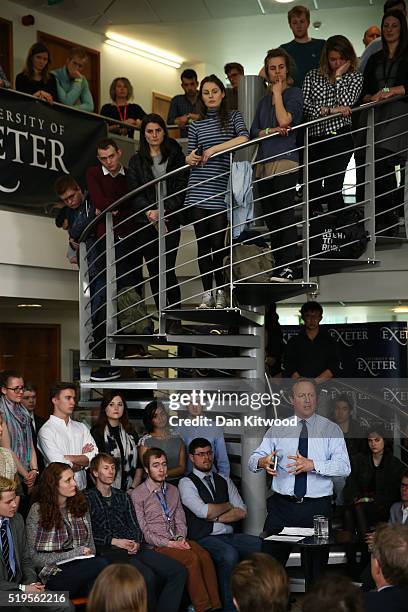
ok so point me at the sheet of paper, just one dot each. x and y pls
(297, 531)
(75, 559)
(283, 538)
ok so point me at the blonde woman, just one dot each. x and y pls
(120, 92)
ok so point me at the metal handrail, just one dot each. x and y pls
(249, 143)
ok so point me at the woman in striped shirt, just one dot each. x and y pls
(217, 130)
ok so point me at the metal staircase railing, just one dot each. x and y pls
(108, 276)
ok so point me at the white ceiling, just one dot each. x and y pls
(99, 15)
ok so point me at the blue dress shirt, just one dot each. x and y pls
(326, 447)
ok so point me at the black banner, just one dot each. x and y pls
(38, 143)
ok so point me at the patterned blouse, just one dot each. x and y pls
(319, 92)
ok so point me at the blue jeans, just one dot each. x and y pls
(226, 551)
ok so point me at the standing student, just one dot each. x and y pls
(184, 108)
(278, 111)
(35, 79)
(72, 85)
(216, 130)
(121, 91)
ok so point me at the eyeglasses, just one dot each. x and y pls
(204, 454)
(69, 197)
(16, 389)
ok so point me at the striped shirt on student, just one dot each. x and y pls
(208, 133)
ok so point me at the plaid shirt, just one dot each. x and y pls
(114, 520)
(319, 92)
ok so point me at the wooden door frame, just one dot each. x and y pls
(92, 52)
(56, 326)
(10, 68)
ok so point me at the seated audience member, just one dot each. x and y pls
(234, 72)
(4, 82)
(354, 437)
(35, 78)
(333, 593)
(64, 440)
(386, 76)
(121, 91)
(118, 537)
(118, 588)
(389, 569)
(16, 431)
(212, 504)
(29, 401)
(8, 466)
(308, 456)
(371, 33)
(304, 51)
(399, 510)
(260, 584)
(184, 107)
(280, 109)
(17, 569)
(59, 529)
(159, 435)
(333, 88)
(377, 44)
(163, 523)
(373, 485)
(114, 434)
(158, 154)
(213, 433)
(313, 352)
(72, 86)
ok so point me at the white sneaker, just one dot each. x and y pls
(220, 300)
(207, 301)
(286, 276)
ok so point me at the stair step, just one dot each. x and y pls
(228, 316)
(176, 384)
(244, 341)
(321, 265)
(268, 293)
(233, 363)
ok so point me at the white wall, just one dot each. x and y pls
(146, 76)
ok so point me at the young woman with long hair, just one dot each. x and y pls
(115, 435)
(333, 88)
(159, 435)
(386, 76)
(59, 530)
(36, 79)
(158, 154)
(217, 130)
(120, 92)
(278, 111)
(119, 588)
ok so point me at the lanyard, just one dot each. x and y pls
(122, 117)
(163, 503)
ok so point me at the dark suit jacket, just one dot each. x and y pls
(39, 422)
(25, 572)
(393, 598)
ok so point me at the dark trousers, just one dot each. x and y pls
(172, 575)
(77, 577)
(283, 512)
(226, 551)
(385, 188)
(328, 155)
(280, 221)
(172, 241)
(210, 231)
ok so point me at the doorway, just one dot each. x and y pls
(34, 350)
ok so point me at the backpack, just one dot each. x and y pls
(340, 236)
(251, 262)
(133, 320)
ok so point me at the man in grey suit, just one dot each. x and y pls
(17, 572)
(399, 510)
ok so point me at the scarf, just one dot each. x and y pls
(126, 467)
(19, 428)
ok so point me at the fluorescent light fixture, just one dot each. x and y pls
(29, 305)
(283, 1)
(143, 50)
(261, 7)
(400, 309)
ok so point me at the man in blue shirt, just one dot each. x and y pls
(308, 456)
(72, 86)
(184, 108)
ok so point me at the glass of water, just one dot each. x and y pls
(323, 527)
